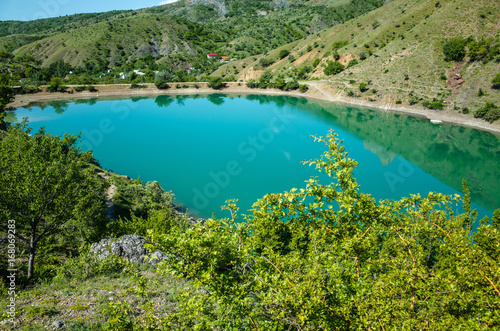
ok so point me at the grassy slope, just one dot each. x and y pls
(130, 32)
(419, 55)
(242, 32)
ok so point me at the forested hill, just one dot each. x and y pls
(185, 30)
(444, 55)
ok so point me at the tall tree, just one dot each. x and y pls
(6, 96)
(45, 185)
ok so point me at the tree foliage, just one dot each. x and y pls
(216, 83)
(333, 68)
(48, 188)
(454, 49)
(495, 82)
(6, 97)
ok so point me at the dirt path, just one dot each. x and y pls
(110, 193)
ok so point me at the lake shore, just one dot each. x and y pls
(317, 90)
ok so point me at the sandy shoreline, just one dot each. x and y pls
(317, 90)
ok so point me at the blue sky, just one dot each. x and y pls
(27, 10)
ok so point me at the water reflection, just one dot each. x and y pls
(447, 152)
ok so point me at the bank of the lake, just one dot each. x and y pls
(317, 90)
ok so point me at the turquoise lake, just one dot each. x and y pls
(208, 149)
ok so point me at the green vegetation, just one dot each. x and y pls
(6, 96)
(45, 200)
(216, 83)
(333, 68)
(162, 78)
(489, 112)
(495, 82)
(454, 49)
(284, 53)
(434, 104)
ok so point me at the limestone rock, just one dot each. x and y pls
(130, 247)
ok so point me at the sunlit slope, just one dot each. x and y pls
(405, 39)
(114, 40)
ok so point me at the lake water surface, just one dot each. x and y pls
(211, 148)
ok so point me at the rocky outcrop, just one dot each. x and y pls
(130, 247)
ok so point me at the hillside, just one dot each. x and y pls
(236, 28)
(403, 45)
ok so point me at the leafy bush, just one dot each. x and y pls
(316, 62)
(252, 83)
(339, 44)
(333, 68)
(56, 85)
(291, 58)
(336, 55)
(495, 82)
(352, 63)
(162, 78)
(303, 87)
(362, 56)
(89, 88)
(141, 200)
(434, 104)
(489, 112)
(363, 87)
(483, 50)
(284, 53)
(264, 62)
(454, 49)
(135, 85)
(216, 83)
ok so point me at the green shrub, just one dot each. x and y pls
(352, 63)
(434, 104)
(489, 112)
(89, 88)
(362, 56)
(333, 68)
(264, 62)
(134, 85)
(303, 87)
(216, 83)
(339, 44)
(252, 83)
(56, 85)
(495, 82)
(284, 53)
(363, 87)
(350, 94)
(39, 311)
(454, 49)
(316, 62)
